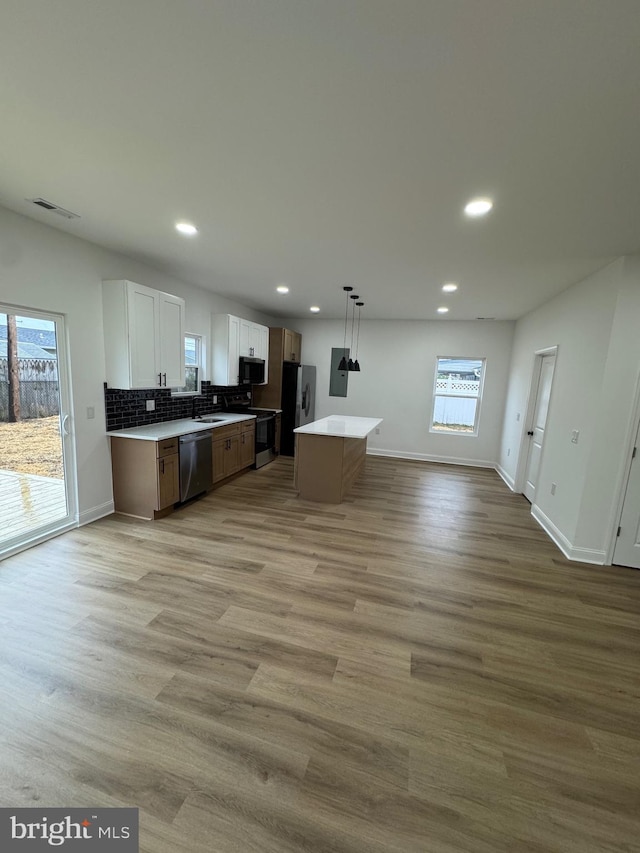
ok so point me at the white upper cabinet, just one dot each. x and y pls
(245, 337)
(144, 336)
(264, 350)
(232, 337)
(225, 349)
(254, 340)
(171, 340)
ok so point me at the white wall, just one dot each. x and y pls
(614, 426)
(45, 269)
(398, 360)
(595, 326)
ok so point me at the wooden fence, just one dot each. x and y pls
(39, 388)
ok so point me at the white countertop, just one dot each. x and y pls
(172, 429)
(344, 426)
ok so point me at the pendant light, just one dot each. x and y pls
(343, 361)
(351, 364)
(356, 364)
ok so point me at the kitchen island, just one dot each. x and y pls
(330, 454)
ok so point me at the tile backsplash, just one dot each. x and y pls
(126, 409)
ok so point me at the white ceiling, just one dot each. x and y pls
(329, 142)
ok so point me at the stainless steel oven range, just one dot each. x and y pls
(265, 425)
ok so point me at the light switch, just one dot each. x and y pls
(91, 413)
(574, 436)
(151, 405)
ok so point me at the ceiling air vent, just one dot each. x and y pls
(54, 208)
(485, 318)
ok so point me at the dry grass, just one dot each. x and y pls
(32, 447)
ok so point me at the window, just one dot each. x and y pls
(192, 365)
(457, 392)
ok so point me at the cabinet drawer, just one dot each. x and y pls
(248, 426)
(225, 432)
(166, 447)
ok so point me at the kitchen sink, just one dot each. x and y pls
(208, 420)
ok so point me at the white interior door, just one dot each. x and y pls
(535, 433)
(627, 548)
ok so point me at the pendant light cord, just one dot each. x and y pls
(353, 322)
(346, 312)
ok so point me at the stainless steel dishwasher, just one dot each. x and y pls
(196, 464)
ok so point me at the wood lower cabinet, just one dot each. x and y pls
(146, 476)
(168, 480)
(326, 466)
(233, 449)
(247, 445)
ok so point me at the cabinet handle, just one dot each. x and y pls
(162, 466)
(160, 379)
(165, 379)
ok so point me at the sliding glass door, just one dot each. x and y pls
(37, 467)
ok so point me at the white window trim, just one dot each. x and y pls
(200, 366)
(476, 426)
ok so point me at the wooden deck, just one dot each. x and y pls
(29, 502)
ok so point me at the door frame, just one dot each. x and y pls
(523, 452)
(68, 448)
(625, 470)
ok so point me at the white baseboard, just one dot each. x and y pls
(571, 552)
(425, 457)
(95, 513)
(506, 477)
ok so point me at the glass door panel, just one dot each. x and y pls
(35, 446)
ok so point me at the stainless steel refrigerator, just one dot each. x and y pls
(298, 401)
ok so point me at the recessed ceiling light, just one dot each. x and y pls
(443, 310)
(478, 207)
(314, 309)
(282, 288)
(186, 228)
(450, 287)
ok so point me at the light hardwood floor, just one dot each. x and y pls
(417, 670)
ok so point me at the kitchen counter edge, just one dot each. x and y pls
(340, 426)
(173, 429)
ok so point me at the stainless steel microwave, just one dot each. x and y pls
(251, 371)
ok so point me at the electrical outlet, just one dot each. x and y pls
(215, 399)
(553, 488)
(151, 405)
(575, 435)
(377, 430)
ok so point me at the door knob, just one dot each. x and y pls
(530, 432)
